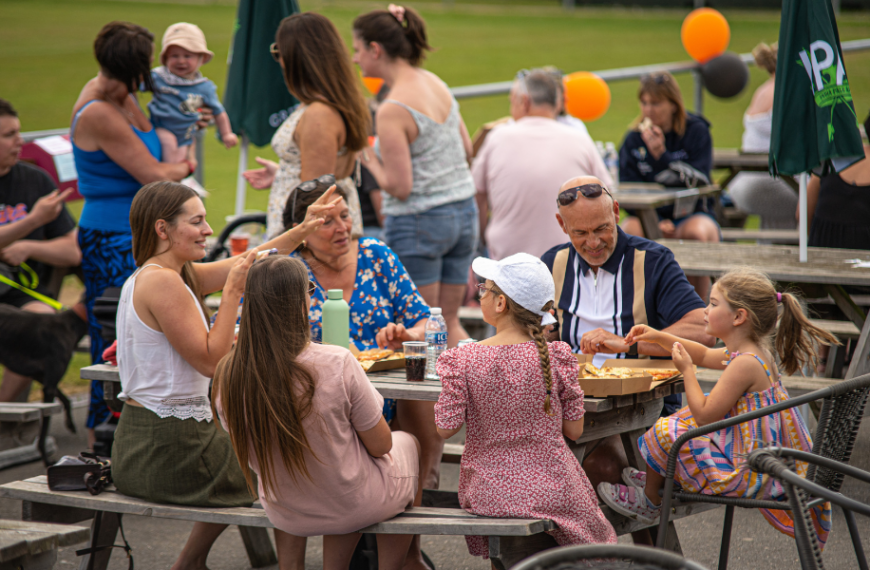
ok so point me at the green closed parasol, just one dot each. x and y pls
(256, 97)
(815, 127)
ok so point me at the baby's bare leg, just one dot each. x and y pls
(654, 484)
(172, 153)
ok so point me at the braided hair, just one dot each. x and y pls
(531, 323)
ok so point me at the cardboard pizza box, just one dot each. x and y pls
(380, 365)
(601, 387)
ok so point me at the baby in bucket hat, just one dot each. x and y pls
(180, 91)
(519, 397)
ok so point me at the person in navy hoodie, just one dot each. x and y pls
(663, 135)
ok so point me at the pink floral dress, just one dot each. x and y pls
(516, 463)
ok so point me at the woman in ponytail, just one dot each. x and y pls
(743, 312)
(520, 398)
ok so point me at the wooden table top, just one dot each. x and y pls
(392, 384)
(779, 262)
(734, 158)
(22, 538)
(649, 196)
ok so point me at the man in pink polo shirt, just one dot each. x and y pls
(521, 166)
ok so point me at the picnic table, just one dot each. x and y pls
(28, 545)
(644, 198)
(737, 161)
(828, 268)
(628, 416)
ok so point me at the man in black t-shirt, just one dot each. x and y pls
(36, 231)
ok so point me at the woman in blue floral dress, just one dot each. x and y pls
(385, 307)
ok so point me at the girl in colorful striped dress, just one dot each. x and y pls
(743, 314)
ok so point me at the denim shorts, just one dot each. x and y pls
(437, 245)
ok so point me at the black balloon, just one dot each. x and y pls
(725, 76)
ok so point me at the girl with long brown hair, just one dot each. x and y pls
(520, 398)
(743, 312)
(665, 133)
(331, 124)
(167, 448)
(307, 420)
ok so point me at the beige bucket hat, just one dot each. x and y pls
(187, 36)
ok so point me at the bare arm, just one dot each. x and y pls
(213, 275)
(45, 210)
(106, 128)
(393, 173)
(572, 429)
(378, 441)
(163, 303)
(466, 141)
(482, 212)
(448, 433)
(699, 353)
(228, 137)
(62, 251)
(738, 377)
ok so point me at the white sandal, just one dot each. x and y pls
(628, 501)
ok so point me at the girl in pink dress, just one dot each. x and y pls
(519, 395)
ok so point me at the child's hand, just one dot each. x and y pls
(682, 359)
(230, 140)
(641, 333)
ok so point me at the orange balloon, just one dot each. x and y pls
(587, 96)
(705, 34)
(373, 84)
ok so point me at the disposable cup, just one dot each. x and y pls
(415, 360)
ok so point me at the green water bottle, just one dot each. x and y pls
(336, 319)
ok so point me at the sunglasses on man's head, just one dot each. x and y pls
(273, 49)
(326, 181)
(568, 196)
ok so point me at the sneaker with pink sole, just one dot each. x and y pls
(629, 501)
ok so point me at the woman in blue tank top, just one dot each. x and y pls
(116, 151)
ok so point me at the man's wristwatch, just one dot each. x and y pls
(632, 351)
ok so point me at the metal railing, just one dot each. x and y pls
(625, 73)
(504, 87)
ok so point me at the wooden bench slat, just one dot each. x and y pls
(846, 329)
(418, 520)
(775, 236)
(66, 534)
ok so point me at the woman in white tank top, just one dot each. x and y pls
(167, 448)
(758, 192)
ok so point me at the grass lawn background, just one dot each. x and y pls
(46, 50)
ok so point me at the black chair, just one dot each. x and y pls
(220, 248)
(607, 557)
(839, 421)
(778, 462)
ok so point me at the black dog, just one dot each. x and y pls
(40, 346)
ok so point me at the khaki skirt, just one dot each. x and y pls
(180, 462)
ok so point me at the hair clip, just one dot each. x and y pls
(779, 297)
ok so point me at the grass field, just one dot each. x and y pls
(45, 47)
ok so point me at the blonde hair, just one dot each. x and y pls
(765, 56)
(751, 290)
(530, 322)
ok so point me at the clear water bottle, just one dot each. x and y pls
(436, 336)
(611, 161)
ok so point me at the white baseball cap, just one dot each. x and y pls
(524, 278)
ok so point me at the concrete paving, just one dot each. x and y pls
(755, 545)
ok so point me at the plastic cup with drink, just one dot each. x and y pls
(238, 244)
(415, 360)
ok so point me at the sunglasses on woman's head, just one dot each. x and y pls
(312, 288)
(326, 180)
(657, 78)
(568, 196)
(273, 49)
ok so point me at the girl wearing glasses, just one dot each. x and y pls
(324, 133)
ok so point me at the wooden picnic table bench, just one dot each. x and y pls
(27, 545)
(736, 161)
(787, 237)
(510, 540)
(21, 429)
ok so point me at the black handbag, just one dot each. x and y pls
(85, 472)
(106, 311)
